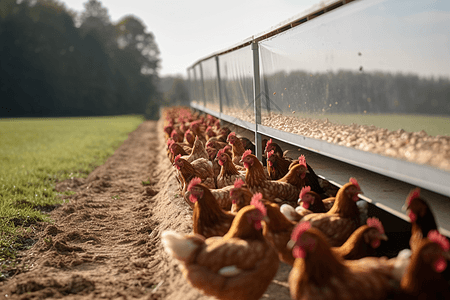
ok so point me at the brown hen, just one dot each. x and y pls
(277, 230)
(209, 219)
(228, 172)
(342, 219)
(277, 167)
(237, 148)
(423, 277)
(363, 241)
(318, 273)
(421, 217)
(257, 182)
(238, 266)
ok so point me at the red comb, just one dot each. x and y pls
(220, 152)
(374, 222)
(246, 152)
(415, 193)
(177, 157)
(194, 182)
(231, 134)
(208, 128)
(270, 153)
(304, 190)
(187, 132)
(354, 182)
(439, 239)
(256, 202)
(302, 160)
(267, 145)
(299, 230)
(174, 132)
(238, 183)
(170, 142)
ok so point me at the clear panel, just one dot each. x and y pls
(236, 74)
(211, 84)
(372, 75)
(198, 86)
(192, 83)
(368, 62)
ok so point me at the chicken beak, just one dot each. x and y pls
(360, 192)
(266, 219)
(290, 244)
(404, 207)
(383, 237)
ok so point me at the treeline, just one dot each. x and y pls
(353, 92)
(55, 62)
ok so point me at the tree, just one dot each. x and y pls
(178, 93)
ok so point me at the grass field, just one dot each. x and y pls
(34, 153)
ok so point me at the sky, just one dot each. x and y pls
(187, 31)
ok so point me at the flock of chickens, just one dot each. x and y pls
(249, 215)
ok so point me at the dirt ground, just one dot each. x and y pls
(105, 241)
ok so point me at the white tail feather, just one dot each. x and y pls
(289, 212)
(230, 271)
(176, 245)
(401, 262)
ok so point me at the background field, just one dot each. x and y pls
(36, 153)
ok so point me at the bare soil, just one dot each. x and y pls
(105, 239)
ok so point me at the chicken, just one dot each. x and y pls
(209, 219)
(210, 132)
(423, 277)
(174, 150)
(421, 216)
(211, 120)
(215, 143)
(318, 273)
(189, 137)
(228, 172)
(363, 241)
(342, 219)
(217, 125)
(198, 151)
(292, 214)
(168, 130)
(257, 182)
(309, 178)
(240, 195)
(223, 134)
(271, 145)
(212, 154)
(277, 167)
(296, 175)
(238, 266)
(277, 230)
(198, 129)
(312, 201)
(237, 148)
(198, 168)
(177, 136)
(222, 196)
(248, 145)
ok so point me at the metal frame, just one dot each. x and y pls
(419, 175)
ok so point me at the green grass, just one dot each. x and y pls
(433, 125)
(35, 153)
